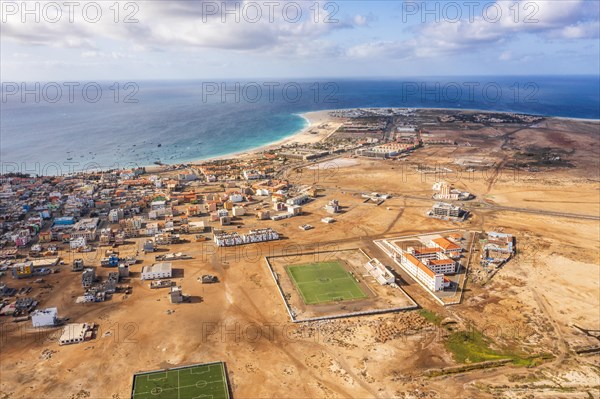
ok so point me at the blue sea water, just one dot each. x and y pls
(180, 121)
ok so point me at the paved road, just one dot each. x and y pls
(482, 205)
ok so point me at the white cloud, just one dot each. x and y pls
(505, 56)
(187, 25)
(364, 20)
(582, 30)
(564, 20)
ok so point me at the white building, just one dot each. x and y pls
(279, 206)
(238, 211)
(85, 228)
(298, 200)
(263, 192)
(434, 258)
(294, 209)
(416, 268)
(445, 191)
(252, 175)
(78, 242)
(197, 227)
(44, 318)
(444, 210)
(75, 333)
(378, 271)
(384, 150)
(156, 271)
(236, 197)
(157, 213)
(187, 177)
(441, 266)
(176, 294)
(115, 215)
(281, 216)
(224, 239)
(225, 220)
(154, 205)
(332, 207)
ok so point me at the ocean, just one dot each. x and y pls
(61, 127)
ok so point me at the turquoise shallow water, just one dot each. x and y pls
(181, 121)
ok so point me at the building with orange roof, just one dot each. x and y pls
(424, 252)
(434, 258)
(432, 280)
(446, 245)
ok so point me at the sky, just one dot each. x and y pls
(183, 39)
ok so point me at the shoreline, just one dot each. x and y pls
(315, 119)
(318, 126)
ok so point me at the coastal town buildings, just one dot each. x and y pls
(227, 239)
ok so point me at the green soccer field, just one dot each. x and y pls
(324, 282)
(206, 381)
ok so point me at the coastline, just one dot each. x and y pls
(322, 125)
(318, 127)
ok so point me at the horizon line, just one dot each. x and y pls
(378, 78)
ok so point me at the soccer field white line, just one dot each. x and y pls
(159, 378)
(201, 372)
(225, 381)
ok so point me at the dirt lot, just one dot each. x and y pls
(530, 305)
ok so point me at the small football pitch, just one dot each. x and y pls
(324, 282)
(201, 381)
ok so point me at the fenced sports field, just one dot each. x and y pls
(201, 381)
(323, 285)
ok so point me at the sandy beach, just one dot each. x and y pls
(318, 128)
